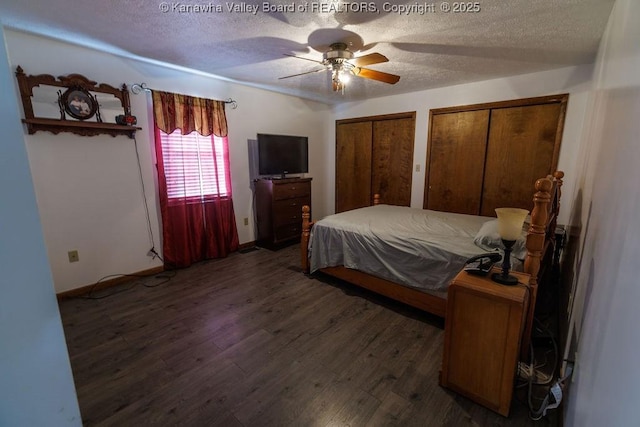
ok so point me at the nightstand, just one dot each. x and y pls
(483, 329)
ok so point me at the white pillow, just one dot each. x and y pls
(489, 239)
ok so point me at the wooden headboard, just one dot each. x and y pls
(540, 242)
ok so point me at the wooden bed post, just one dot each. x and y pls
(376, 199)
(535, 248)
(304, 240)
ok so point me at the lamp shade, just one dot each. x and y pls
(510, 222)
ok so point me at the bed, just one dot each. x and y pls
(417, 254)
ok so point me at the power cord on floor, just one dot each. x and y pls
(553, 397)
(531, 373)
(166, 276)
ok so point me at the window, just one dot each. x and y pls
(194, 179)
(194, 166)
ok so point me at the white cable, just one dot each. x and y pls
(556, 393)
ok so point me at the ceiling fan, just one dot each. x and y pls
(342, 64)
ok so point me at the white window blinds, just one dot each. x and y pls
(194, 165)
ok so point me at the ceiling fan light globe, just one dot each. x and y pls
(344, 76)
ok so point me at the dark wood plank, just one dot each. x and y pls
(249, 340)
(390, 410)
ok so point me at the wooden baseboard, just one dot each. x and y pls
(119, 280)
(107, 283)
(246, 245)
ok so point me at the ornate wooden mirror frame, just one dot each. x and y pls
(76, 89)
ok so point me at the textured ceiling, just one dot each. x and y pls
(428, 48)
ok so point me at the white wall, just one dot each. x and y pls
(606, 389)
(36, 386)
(573, 80)
(88, 188)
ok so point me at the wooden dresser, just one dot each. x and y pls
(279, 209)
(483, 328)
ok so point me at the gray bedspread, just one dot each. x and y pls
(414, 247)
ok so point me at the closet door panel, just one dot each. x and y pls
(456, 161)
(353, 165)
(521, 148)
(392, 161)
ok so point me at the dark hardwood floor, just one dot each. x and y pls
(250, 341)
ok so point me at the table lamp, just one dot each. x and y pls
(510, 222)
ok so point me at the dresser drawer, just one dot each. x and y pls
(289, 210)
(292, 190)
(287, 232)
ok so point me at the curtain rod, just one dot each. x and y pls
(136, 88)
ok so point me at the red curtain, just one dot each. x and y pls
(200, 226)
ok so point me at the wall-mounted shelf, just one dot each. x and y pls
(80, 128)
(77, 88)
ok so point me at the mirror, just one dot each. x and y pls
(45, 104)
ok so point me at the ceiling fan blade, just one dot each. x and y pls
(372, 58)
(301, 57)
(302, 74)
(376, 75)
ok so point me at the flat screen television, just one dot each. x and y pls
(282, 154)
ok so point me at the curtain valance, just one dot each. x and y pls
(173, 111)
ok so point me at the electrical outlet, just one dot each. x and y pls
(418, 167)
(246, 221)
(73, 256)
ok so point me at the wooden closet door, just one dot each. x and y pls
(456, 161)
(392, 169)
(353, 165)
(521, 148)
